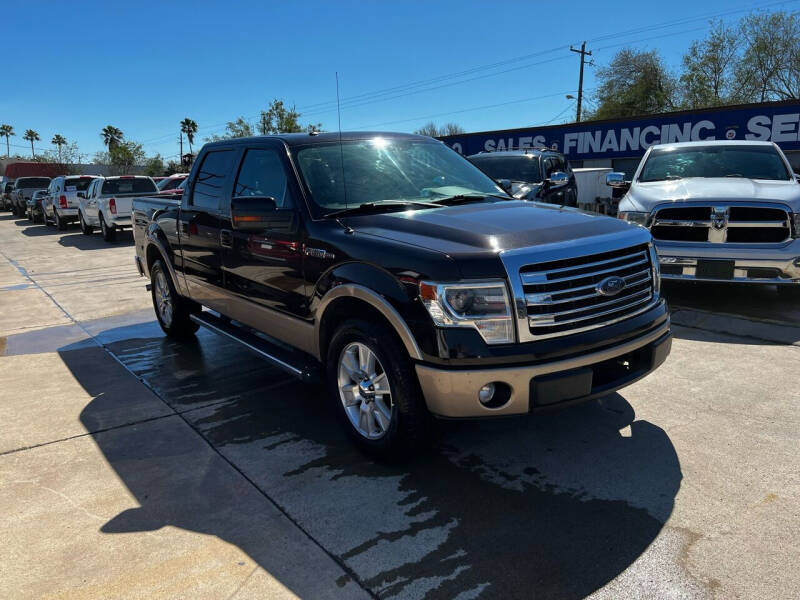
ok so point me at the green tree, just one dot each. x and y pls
(189, 127)
(31, 136)
(58, 141)
(709, 75)
(280, 119)
(154, 166)
(234, 129)
(770, 64)
(432, 130)
(634, 83)
(173, 167)
(6, 131)
(123, 156)
(112, 136)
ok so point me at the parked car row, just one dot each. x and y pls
(95, 202)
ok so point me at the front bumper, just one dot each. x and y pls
(775, 264)
(453, 393)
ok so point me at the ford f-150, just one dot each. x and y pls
(405, 277)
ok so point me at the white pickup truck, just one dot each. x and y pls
(107, 204)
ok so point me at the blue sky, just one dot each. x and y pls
(73, 67)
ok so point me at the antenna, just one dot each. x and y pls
(341, 149)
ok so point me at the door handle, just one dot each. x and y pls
(226, 238)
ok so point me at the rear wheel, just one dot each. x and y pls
(85, 229)
(172, 311)
(58, 221)
(374, 388)
(109, 231)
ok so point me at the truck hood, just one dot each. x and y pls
(645, 196)
(486, 227)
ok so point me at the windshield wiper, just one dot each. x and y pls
(734, 175)
(366, 207)
(471, 197)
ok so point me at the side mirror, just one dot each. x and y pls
(259, 213)
(505, 184)
(558, 178)
(617, 180)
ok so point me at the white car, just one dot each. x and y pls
(63, 194)
(107, 204)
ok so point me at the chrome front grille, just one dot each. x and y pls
(567, 296)
(721, 223)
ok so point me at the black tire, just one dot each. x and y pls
(409, 428)
(790, 293)
(178, 325)
(85, 229)
(58, 221)
(109, 232)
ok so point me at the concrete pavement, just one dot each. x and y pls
(136, 467)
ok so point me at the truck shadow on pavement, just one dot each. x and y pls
(549, 507)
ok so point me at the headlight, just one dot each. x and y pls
(484, 306)
(640, 218)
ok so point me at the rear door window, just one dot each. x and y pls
(212, 179)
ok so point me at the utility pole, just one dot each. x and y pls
(583, 52)
(181, 140)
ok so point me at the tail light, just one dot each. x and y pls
(112, 206)
(62, 201)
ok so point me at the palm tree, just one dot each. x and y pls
(6, 131)
(58, 141)
(189, 127)
(111, 136)
(31, 136)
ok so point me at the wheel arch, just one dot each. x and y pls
(356, 300)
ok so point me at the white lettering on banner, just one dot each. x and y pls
(457, 147)
(591, 141)
(501, 145)
(488, 145)
(629, 140)
(698, 127)
(539, 140)
(649, 130)
(570, 140)
(525, 142)
(784, 128)
(758, 127)
(610, 143)
(676, 134)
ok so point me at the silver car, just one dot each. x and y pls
(719, 211)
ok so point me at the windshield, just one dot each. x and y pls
(386, 169)
(753, 162)
(513, 168)
(33, 182)
(143, 185)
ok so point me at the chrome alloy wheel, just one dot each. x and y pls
(364, 391)
(163, 298)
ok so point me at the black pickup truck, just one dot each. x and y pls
(405, 277)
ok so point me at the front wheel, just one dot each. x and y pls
(172, 311)
(375, 391)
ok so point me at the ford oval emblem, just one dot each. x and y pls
(610, 286)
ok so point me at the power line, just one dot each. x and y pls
(425, 85)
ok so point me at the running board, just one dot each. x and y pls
(292, 362)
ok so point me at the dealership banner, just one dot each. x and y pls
(778, 122)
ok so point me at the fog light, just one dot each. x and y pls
(486, 393)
